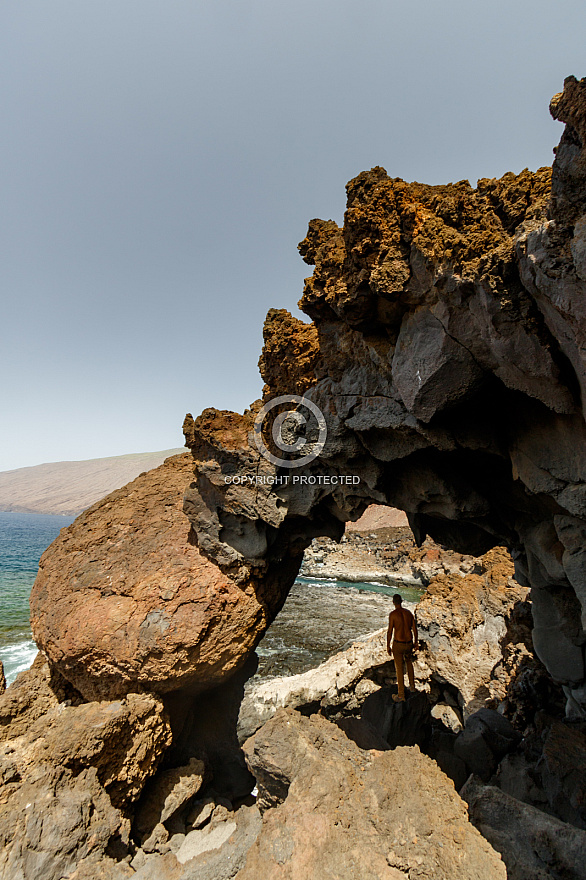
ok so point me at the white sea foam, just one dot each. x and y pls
(17, 657)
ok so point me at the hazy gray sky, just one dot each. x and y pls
(159, 163)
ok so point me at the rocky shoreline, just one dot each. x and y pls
(319, 619)
(388, 556)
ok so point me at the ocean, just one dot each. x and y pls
(23, 538)
(320, 616)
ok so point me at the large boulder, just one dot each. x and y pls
(123, 600)
(338, 811)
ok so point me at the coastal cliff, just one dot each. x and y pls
(445, 360)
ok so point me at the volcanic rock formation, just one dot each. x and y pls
(446, 356)
(70, 776)
(385, 826)
(448, 363)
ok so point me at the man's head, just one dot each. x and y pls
(397, 599)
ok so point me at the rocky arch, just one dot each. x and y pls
(447, 356)
(446, 352)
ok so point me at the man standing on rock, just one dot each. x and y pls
(404, 628)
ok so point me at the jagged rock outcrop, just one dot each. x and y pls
(484, 741)
(446, 356)
(167, 794)
(339, 811)
(68, 781)
(467, 640)
(391, 557)
(532, 844)
(216, 851)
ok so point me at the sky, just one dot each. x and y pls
(160, 161)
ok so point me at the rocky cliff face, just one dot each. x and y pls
(390, 557)
(448, 363)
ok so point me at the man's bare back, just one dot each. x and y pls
(401, 626)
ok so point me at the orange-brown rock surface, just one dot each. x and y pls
(289, 353)
(34, 692)
(377, 516)
(68, 782)
(123, 601)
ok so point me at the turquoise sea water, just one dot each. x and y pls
(23, 538)
(410, 595)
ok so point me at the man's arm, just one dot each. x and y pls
(390, 632)
(415, 638)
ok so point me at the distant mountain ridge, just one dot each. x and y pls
(68, 487)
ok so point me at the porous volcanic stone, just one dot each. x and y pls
(66, 783)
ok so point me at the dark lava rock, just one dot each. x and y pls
(399, 724)
(563, 773)
(534, 846)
